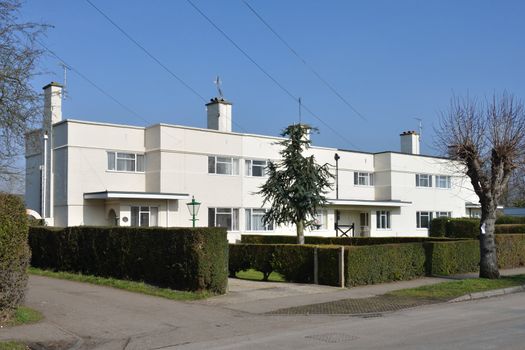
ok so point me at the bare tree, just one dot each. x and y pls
(488, 139)
(19, 102)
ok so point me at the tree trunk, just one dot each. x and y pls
(300, 232)
(488, 265)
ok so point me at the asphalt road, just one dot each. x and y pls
(83, 316)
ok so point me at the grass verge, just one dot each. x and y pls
(254, 275)
(130, 286)
(450, 290)
(11, 345)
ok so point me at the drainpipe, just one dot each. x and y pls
(43, 169)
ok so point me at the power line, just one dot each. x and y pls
(92, 83)
(304, 62)
(273, 79)
(150, 55)
(155, 59)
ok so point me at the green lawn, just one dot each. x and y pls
(11, 345)
(131, 286)
(254, 275)
(454, 289)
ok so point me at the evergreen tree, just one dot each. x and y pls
(296, 184)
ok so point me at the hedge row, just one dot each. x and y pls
(374, 263)
(178, 258)
(454, 228)
(382, 263)
(14, 254)
(510, 220)
(510, 228)
(346, 241)
(294, 262)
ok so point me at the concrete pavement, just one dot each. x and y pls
(83, 316)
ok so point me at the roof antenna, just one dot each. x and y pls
(218, 83)
(64, 89)
(420, 127)
(300, 108)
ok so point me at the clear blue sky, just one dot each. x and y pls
(392, 60)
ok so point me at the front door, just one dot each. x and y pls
(363, 225)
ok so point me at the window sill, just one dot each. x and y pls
(124, 172)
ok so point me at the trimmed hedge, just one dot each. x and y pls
(510, 228)
(178, 258)
(510, 250)
(448, 258)
(382, 263)
(353, 241)
(454, 228)
(294, 262)
(510, 220)
(14, 254)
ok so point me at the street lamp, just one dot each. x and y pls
(193, 207)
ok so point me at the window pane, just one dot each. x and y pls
(223, 220)
(134, 216)
(144, 219)
(111, 160)
(140, 162)
(235, 170)
(356, 176)
(235, 220)
(154, 216)
(371, 179)
(248, 168)
(248, 220)
(257, 218)
(211, 165)
(378, 220)
(211, 217)
(125, 164)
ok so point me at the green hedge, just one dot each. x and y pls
(294, 262)
(510, 228)
(510, 250)
(438, 227)
(382, 263)
(448, 258)
(359, 241)
(510, 220)
(14, 254)
(178, 258)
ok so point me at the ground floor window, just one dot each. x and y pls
(383, 219)
(446, 214)
(320, 220)
(224, 217)
(423, 219)
(254, 220)
(144, 216)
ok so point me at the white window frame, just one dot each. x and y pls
(442, 214)
(215, 161)
(249, 165)
(115, 156)
(320, 221)
(383, 220)
(424, 177)
(447, 181)
(249, 219)
(363, 178)
(145, 209)
(420, 214)
(234, 216)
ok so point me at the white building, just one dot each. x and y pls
(107, 174)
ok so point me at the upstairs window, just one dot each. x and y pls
(119, 161)
(223, 165)
(363, 179)
(423, 180)
(255, 167)
(442, 181)
(254, 220)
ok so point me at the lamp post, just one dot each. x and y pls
(336, 158)
(193, 207)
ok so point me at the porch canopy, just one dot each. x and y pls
(134, 195)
